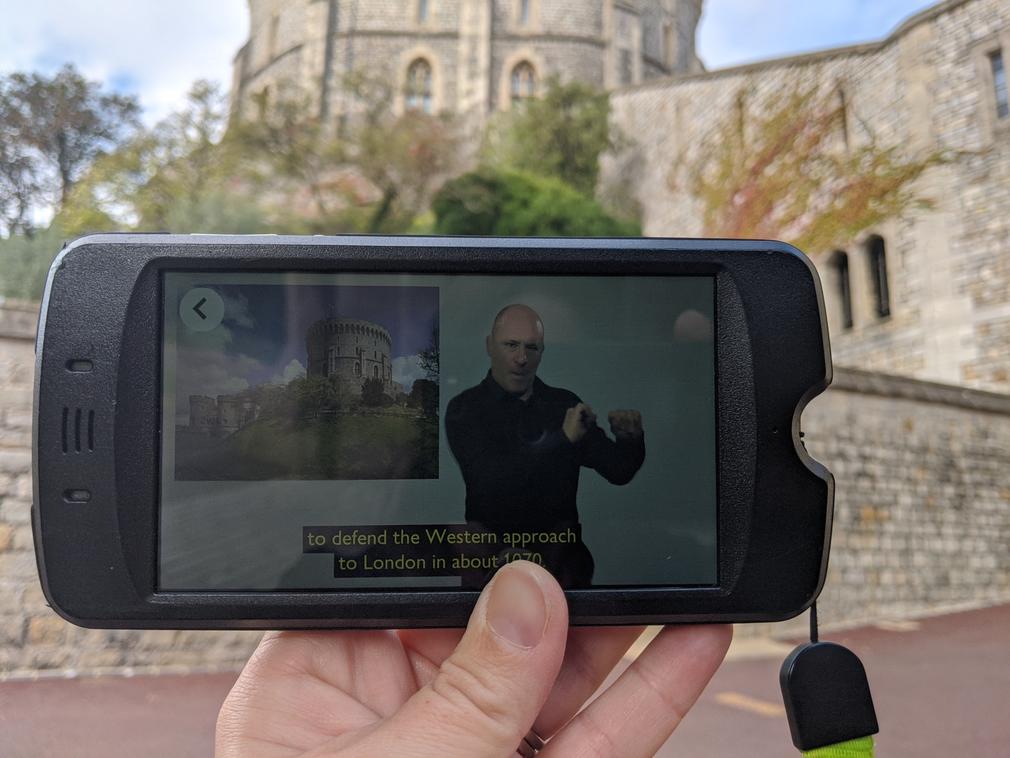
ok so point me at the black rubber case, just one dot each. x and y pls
(97, 427)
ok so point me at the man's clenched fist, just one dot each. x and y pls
(625, 424)
(579, 419)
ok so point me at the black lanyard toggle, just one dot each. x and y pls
(826, 693)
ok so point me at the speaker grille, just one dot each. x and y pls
(78, 431)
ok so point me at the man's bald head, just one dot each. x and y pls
(518, 315)
(515, 346)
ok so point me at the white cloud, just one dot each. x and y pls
(742, 31)
(294, 370)
(211, 373)
(154, 50)
(236, 309)
(406, 370)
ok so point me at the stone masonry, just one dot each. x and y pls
(471, 46)
(922, 517)
(32, 637)
(926, 88)
(922, 502)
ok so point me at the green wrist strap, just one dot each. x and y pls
(861, 748)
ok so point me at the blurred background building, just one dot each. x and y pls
(923, 294)
(470, 57)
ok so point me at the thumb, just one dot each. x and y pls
(487, 694)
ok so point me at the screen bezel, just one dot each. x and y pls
(770, 495)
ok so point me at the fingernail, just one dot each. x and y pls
(516, 609)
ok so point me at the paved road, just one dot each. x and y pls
(941, 687)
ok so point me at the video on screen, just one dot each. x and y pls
(395, 431)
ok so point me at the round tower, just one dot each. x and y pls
(469, 57)
(351, 351)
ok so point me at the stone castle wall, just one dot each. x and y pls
(351, 350)
(922, 503)
(472, 46)
(924, 89)
(922, 517)
(32, 637)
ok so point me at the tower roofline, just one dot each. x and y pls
(814, 56)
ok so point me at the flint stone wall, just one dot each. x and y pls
(922, 518)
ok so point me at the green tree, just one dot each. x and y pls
(374, 174)
(25, 260)
(288, 142)
(372, 394)
(21, 182)
(511, 203)
(181, 175)
(68, 120)
(424, 395)
(403, 155)
(313, 394)
(561, 135)
(429, 357)
(787, 173)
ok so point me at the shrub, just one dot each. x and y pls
(511, 203)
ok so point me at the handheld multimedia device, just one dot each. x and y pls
(267, 432)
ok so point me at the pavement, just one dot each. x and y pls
(941, 687)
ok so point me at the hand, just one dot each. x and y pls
(579, 419)
(450, 694)
(625, 424)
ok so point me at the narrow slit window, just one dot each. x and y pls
(843, 116)
(524, 12)
(275, 24)
(422, 11)
(668, 45)
(843, 286)
(999, 84)
(878, 275)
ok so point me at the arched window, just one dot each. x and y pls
(422, 11)
(877, 255)
(417, 92)
(843, 288)
(524, 81)
(357, 369)
(375, 372)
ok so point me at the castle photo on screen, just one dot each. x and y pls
(310, 382)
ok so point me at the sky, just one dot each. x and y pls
(262, 336)
(157, 48)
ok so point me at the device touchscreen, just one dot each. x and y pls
(404, 431)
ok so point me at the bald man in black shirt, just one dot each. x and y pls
(521, 445)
